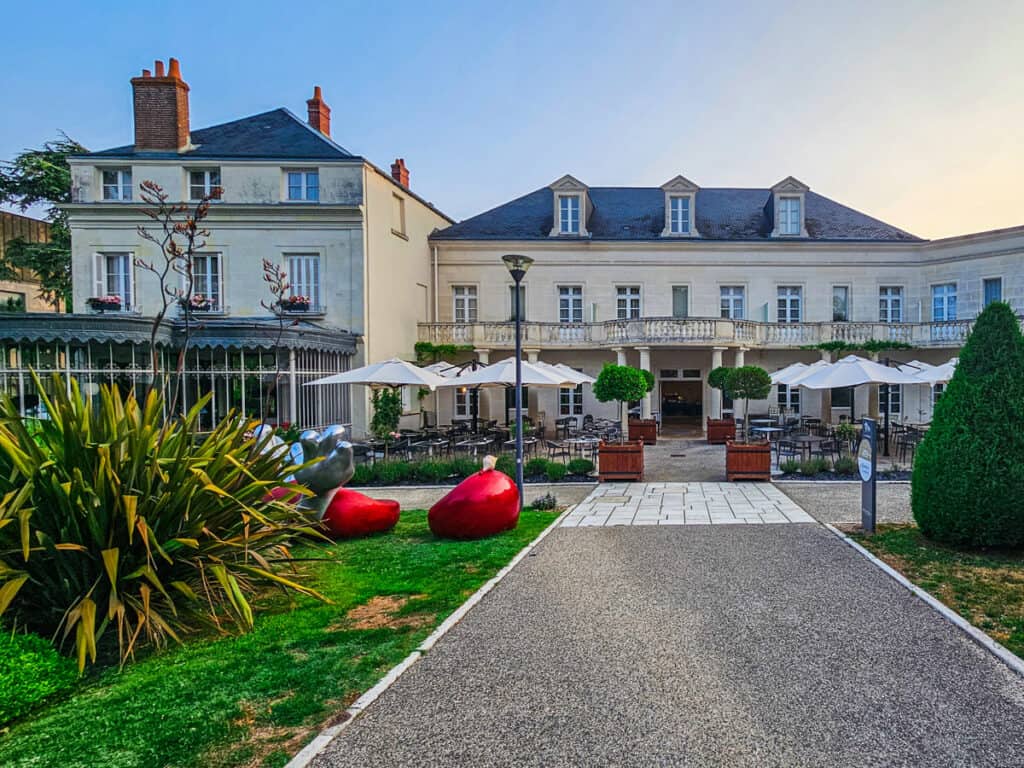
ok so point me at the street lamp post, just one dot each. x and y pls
(517, 266)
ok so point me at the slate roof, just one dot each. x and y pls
(638, 213)
(272, 135)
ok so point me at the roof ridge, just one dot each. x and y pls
(314, 131)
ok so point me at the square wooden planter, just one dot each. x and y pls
(620, 461)
(721, 430)
(644, 429)
(748, 461)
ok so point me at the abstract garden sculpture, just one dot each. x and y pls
(351, 514)
(483, 504)
(326, 476)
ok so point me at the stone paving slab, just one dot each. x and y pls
(697, 503)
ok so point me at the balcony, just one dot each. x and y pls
(693, 331)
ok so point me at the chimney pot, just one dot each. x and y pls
(319, 112)
(399, 172)
(161, 110)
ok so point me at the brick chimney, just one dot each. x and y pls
(319, 112)
(161, 109)
(400, 173)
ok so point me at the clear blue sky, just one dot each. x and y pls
(914, 114)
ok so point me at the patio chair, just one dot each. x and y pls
(826, 449)
(558, 451)
(787, 449)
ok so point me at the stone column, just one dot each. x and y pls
(484, 393)
(716, 394)
(532, 405)
(620, 355)
(645, 364)
(826, 394)
(741, 357)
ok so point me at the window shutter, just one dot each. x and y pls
(98, 276)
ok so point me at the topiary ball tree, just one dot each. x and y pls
(746, 383)
(968, 481)
(622, 383)
(718, 379)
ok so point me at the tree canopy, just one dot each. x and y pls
(42, 177)
(623, 383)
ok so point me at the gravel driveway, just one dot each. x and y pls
(697, 646)
(840, 502)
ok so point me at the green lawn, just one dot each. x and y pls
(258, 698)
(986, 588)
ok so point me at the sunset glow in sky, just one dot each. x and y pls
(914, 115)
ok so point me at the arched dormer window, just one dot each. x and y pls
(680, 208)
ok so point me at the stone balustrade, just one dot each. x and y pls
(693, 331)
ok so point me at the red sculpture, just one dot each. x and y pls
(482, 505)
(350, 514)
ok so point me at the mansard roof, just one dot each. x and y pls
(638, 213)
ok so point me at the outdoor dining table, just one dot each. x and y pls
(768, 432)
(475, 444)
(529, 444)
(806, 443)
(582, 444)
(764, 422)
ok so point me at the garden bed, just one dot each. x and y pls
(986, 587)
(452, 472)
(823, 470)
(256, 699)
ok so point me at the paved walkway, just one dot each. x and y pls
(685, 504)
(714, 645)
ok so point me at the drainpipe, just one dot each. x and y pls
(437, 317)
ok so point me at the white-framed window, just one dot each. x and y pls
(890, 304)
(461, 409)
(207, 280)
(789, 215)
(512, 302)
(464, 307)
(732, 301)
(680, 301)
(992, 290)
(789, 303)
(627, 302)
(840, 303)
(407, 399)
(117, 184)
(570, 303)
(398, 215)
(788, 398)
(937, 391)
(304, 277)
(202, 182)
(569, 214)
(679, 219)
(303, 185)
(570, 401)
(944, 302)
(895, 399)
(114, 275)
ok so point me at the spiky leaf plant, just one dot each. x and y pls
(115, 523)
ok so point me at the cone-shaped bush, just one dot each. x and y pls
(968, 481)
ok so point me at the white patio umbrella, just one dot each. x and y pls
(914, 367)
(390, 373)
(780, 376)
(852, 371)
(938, 374)
(796, 377)
(561, 369)
(503, 374)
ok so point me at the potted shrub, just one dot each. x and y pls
(104, 303)
(622, 384)
(748, 461)
(720, 430)
(645, 429)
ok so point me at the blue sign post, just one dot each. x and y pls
(867, 464)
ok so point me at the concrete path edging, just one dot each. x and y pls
(1009, 658)
(322, 739)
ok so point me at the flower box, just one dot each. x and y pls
(721, 430)
(295, 304)
(104, 303)
(197, 303)
(644, 429)
(748, 461)
(620, 461)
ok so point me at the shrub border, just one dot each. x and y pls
(327, 735)
(1010, 659)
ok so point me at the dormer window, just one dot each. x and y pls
(680, 220)
(789, 215)
(117, 184)
(568, 214)
(571, 208)
(680, 205)
(787, 208)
